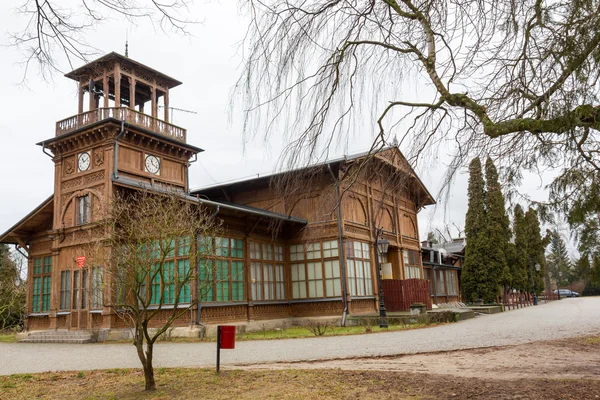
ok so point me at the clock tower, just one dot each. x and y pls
(121, 136)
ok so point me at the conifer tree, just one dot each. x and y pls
(474, 273)
(518, 262)
(559, 265)
(535, 250)
(497, 230)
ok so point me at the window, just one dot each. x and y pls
(358, 262)
(318, 273)
(451, 282)
(97, 288)
(412, 269)
(42, 284)
(83, 210)
(440, 287)
(169, 281)
(266, 271)
(80, 289)
(221, 272)
(65, 290)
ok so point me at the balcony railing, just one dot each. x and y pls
(123, 114)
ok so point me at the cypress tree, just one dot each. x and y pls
(497, 231)
(535, 250)
(518, 262)
(474, 273)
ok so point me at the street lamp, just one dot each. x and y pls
(537, 268)
(381, 247)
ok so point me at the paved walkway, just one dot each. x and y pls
(558, 319)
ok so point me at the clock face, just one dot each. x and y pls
(152, 164)
(83, 161)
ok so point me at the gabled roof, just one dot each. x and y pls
(89, 68)
(336, 162)
(30, 223)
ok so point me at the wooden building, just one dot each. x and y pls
(443, 264)
(293, 250)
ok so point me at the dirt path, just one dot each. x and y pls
(577, 358)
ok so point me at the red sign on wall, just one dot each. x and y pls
(80, 261)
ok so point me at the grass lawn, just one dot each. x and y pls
(306, 331)
(7, 338)
(182, 383)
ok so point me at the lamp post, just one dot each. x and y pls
(537, 268)
(558, 284)
(381, 248)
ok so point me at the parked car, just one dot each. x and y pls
(567, 293)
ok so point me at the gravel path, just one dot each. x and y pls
(555, 320)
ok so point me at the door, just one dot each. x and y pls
(80, 312)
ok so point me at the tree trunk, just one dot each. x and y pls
(146, 360)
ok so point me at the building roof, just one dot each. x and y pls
(233, 207)
(429, 200)
(88, 69)
(30, 223)
(454, 247)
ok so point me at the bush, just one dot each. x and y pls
(591, 290)
(318, 328)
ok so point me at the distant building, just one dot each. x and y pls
(443, 264)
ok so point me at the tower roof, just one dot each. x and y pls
(95, 67)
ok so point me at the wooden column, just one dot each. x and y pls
(132, 92)
(80, 104)
(153, 105)
(153, 101)
(167, 105)
(92, 99)
(106, 89)
(117, 86)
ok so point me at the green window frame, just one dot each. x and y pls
(167, 281)
(221, 271)
(42, 284)
(37, 293)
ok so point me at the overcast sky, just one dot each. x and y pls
(208, 64)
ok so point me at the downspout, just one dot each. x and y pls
(44, 150)
(18, 248)
(116, 151)
(341, 246)
(187, 175)
(199, 308)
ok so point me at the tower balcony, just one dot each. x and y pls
(125, 114)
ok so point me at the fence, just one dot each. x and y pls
(399, 294)
(514, 300)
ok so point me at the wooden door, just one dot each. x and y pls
(80, 311)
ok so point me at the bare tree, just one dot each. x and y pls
(13, 290)
(513, 80)
(154, 243)
(55, 34)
